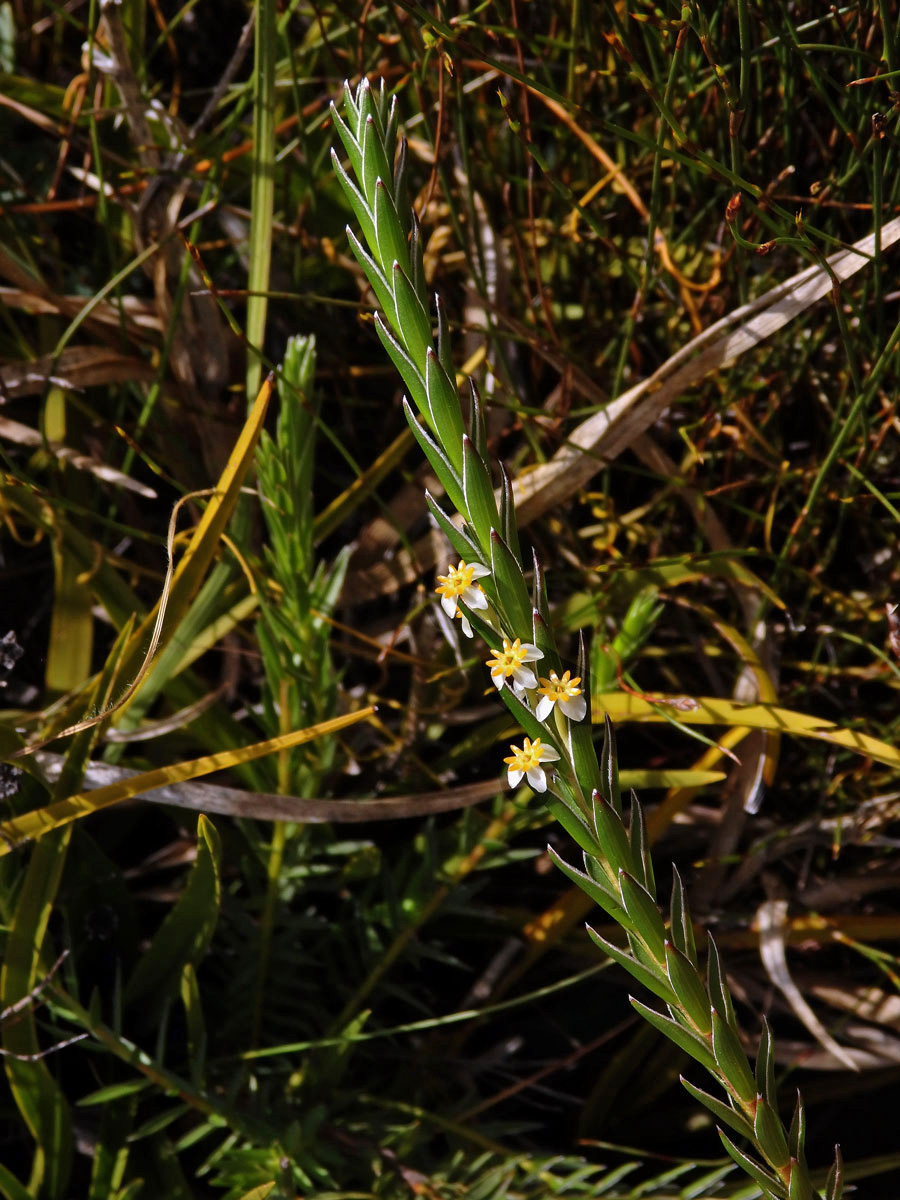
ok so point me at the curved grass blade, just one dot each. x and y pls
(15, 832)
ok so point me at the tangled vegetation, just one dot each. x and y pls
(279, 916)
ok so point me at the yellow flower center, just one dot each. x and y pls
(560, 689)
(456, 581)
(507, 660)
(525, 758)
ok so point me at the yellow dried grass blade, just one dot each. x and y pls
(205, 540)
(71, 640)
(36, 824)
(72, 622)
(689, 777)
(710, 710)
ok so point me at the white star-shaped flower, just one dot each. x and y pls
(564, 692)
(459, 584)
(525, 763)
(510, 663)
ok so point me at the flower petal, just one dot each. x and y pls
(544, 708)
(537, 779)
(548, 754)
(478, 571)
(448, 604)
(514, 777)
(475, 597)
(523, 678)
(497, 679)
(574, 707)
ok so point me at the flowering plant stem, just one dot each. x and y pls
(489, 592)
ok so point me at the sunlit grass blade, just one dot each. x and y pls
(262, 188)
(37, 824)
(710, 710)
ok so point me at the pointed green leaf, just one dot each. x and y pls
(599, 869)
(374, 164)
(640, 952)
(539, 590)
(445, 408)
(598, 892)
(609, 767)
(382, 106)
(349, 141)
(478, 431)
(355, 200)
(508, 525)
(445, 356)
(581, 748)
(479, 494)
(732, 1061)
(436, 457)
(721, 1110)
(771, 1187)
(464, 545)
(611, 835)
(409, 318)
(640, 846)
(350, 105)
(765, 1064)
(511, 587)
(681, 928)
(641, 907)
(649, 978)
(689, 1042)
(719, 995)
(400, 189)
(416, 258)
(800, 1185)
(373, 273)
(769, 1133)
(393, 250)
(391, 129)
(576, 827)
(405, 365)
(797, 1133)
(365, 107)
(686, 985)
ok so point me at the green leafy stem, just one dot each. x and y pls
(496, 601)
